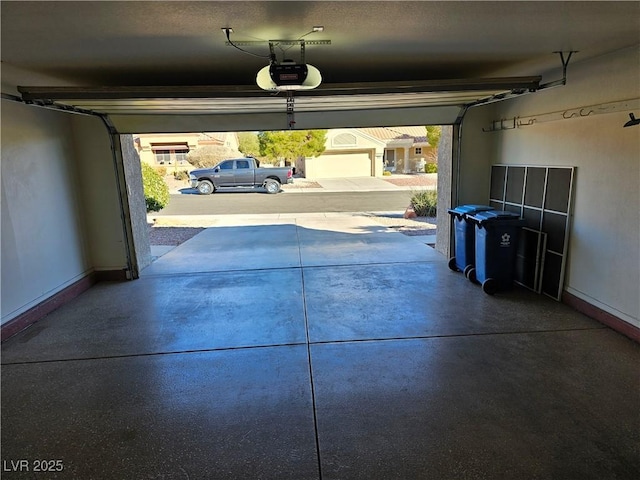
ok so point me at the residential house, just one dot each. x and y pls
(406, 148)
(171, 149)
(358, 152)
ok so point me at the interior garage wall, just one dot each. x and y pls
(603, 262)
(60, 214)
(43, 245)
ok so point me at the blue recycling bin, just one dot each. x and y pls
(496, 242)
(464, 258)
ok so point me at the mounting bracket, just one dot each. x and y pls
(565, 63)
(249, 43)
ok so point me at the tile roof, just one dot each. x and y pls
(418, 134)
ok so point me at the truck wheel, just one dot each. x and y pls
(271, 185)
(205, 187)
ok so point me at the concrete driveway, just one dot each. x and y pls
(240, 242)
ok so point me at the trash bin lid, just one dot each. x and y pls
(469, 209)
(496, 216)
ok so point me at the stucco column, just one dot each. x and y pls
(406, 168)
(445, 183)
(137, 204)
(378, 166)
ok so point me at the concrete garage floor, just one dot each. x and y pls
(317, 347)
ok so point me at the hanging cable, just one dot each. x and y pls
(227, 32)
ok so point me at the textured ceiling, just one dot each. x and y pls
(181, 43)
(426, 57)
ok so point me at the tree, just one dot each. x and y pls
(249, 144)
(434, 132)
(292, 144)
(210, 155)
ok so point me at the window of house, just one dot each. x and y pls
(418, 150)
(169, 156)
(344, 140)
(181, 156)
(163, 157)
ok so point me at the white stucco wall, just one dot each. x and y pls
(43, 246)
(60, 217)
(604, 249)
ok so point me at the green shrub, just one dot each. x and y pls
(386, 173)
(431, 168)
(181, 175)
(424, 203)
(156, 191)
(162, 171)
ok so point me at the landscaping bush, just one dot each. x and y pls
(431, 168)
(156, 191)
(386, 173)
(181, 175)
(424, 203)
(162, 171)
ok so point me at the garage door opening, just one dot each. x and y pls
(370, 171)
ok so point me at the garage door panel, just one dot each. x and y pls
(239, 122)
(340, 165)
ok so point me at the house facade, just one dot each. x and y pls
(406, 149)
(368, 152)
(349, 152)
(169, 150)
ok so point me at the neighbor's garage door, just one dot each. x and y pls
(339, 165)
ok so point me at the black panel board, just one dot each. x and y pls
(513, 208)
(552, 273)
(542, 196)
(497, 182)
(534, 190)
(515, 184)
(554, 224)
(525, 271)
(558, 190)
(532, 217)
(496, 205)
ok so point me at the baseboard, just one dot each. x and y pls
(111, 275)
(602, 316)
(55, 301)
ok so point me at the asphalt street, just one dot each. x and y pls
(252, 202)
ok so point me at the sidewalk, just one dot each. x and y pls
(421, 181)
(364, 184)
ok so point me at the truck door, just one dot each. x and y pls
(224, 174)
(243, 173)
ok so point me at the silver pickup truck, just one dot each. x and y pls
(239, 172)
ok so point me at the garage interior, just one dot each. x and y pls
(349, 370)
